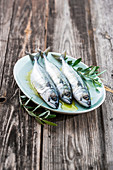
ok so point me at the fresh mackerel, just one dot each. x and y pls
(79, 87)
(42, 82)
(61, 82)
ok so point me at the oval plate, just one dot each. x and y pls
(24, 65)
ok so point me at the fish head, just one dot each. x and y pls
(67, 96)
(83, 97)
(51, 98)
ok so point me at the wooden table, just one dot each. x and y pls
(84, 28)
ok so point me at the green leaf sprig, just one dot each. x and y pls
(32, 109)
(89, 73)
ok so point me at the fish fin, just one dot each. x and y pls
(33, 56)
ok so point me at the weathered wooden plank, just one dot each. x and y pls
(20, 135)
(77, 141)
(102, 20)
(5, 21)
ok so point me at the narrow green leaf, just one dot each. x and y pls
(50, 116)
(27, 102)
(91, 76)
(95, 86)
(47, 115)
(101, 73)
(92, 70)
(36, 107)
(97, 67)
(86, 72)
(87, 69)
(83, 76)
(49, 123)
(98, 83)
(97, 90)
(95, 72)
(76, 62)
(23, 97)
(21, 105)
(39, 121)
(96, 79)
(44, 113)
(30, 113)
(70, 62)
(79, 69)
(29, 107)
(65, 58)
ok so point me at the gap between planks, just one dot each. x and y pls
(45, 46)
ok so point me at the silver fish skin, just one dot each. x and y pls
(79, 88)
(59, 79)
(44, 85)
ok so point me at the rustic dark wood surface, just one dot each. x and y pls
(84, 29)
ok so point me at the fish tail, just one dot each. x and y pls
(44, 52)
(30, 55)
(60, 57)
(57, 57)
(63, 54)
(40, 53)
(47, 50)
(33, 56)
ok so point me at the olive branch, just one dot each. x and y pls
(33, 110)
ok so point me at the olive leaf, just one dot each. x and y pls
(76, 62)
(32, 109)
(88, 74)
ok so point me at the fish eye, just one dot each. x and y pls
(53, 96)
(86, 97)
(48, 84)
(67, 94)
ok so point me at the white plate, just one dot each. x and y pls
(24, 65)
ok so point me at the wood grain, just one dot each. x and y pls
(5, 21)
(103, 35)
(20, 135)
(77, 142)
(84, 29)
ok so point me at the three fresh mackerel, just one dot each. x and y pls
(54, 83)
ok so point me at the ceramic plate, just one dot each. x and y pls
(24, 65)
